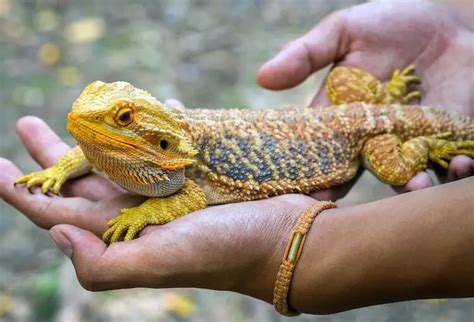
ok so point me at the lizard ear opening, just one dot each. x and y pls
(163, 144)
(173, 143)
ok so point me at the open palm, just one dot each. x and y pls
(223, 247)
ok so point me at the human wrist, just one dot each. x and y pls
(257, 277)
(292, 254)
(310, 272)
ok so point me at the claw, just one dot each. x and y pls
(50, 193)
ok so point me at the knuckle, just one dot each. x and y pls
(5, 163)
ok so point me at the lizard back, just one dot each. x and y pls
(248, 154)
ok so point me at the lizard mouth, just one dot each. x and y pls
(78, 128)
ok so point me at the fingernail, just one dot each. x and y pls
(61, 241)
(464, 172)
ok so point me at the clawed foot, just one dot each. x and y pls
(130, 222)
(49, 179)
(398, 85)
(443, 151)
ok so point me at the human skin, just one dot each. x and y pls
(415, 245)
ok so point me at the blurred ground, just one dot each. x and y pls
(205, 53)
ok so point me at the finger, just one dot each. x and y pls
(336, 192)
(460, 167)
(320, 99)
(93, 187)
(326, 194)
(47, 211)
(46, 148)
(299, 59)
(172, 102)
(420, 181)
(98, 267)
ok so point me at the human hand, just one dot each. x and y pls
(238, 247)
(380, 37)
(234, 247)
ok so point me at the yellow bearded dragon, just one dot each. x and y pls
(187, 159)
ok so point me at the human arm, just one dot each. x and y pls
(353, 256)
(381, 36)
(411, 246)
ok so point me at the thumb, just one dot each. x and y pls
(97, 266)
(300, 58)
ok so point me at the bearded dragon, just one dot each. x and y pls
(187, 159)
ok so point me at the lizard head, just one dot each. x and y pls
(122, 128)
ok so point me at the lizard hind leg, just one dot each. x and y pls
(396, 163)
(155, 211)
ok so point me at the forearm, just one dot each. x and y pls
(416, 245)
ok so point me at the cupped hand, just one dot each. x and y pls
(234, 247)
(382, 36)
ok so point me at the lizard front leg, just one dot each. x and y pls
(396, 163)
(350, 84)
(155, 211)
(73, 164)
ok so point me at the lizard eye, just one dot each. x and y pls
(124, 116)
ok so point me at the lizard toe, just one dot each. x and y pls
(129, 223)
(47, 185)
(107, 235)
(131, 233)
(118, 232)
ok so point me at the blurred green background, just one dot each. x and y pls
(206, 53)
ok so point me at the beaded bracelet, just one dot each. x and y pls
(292, 255)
